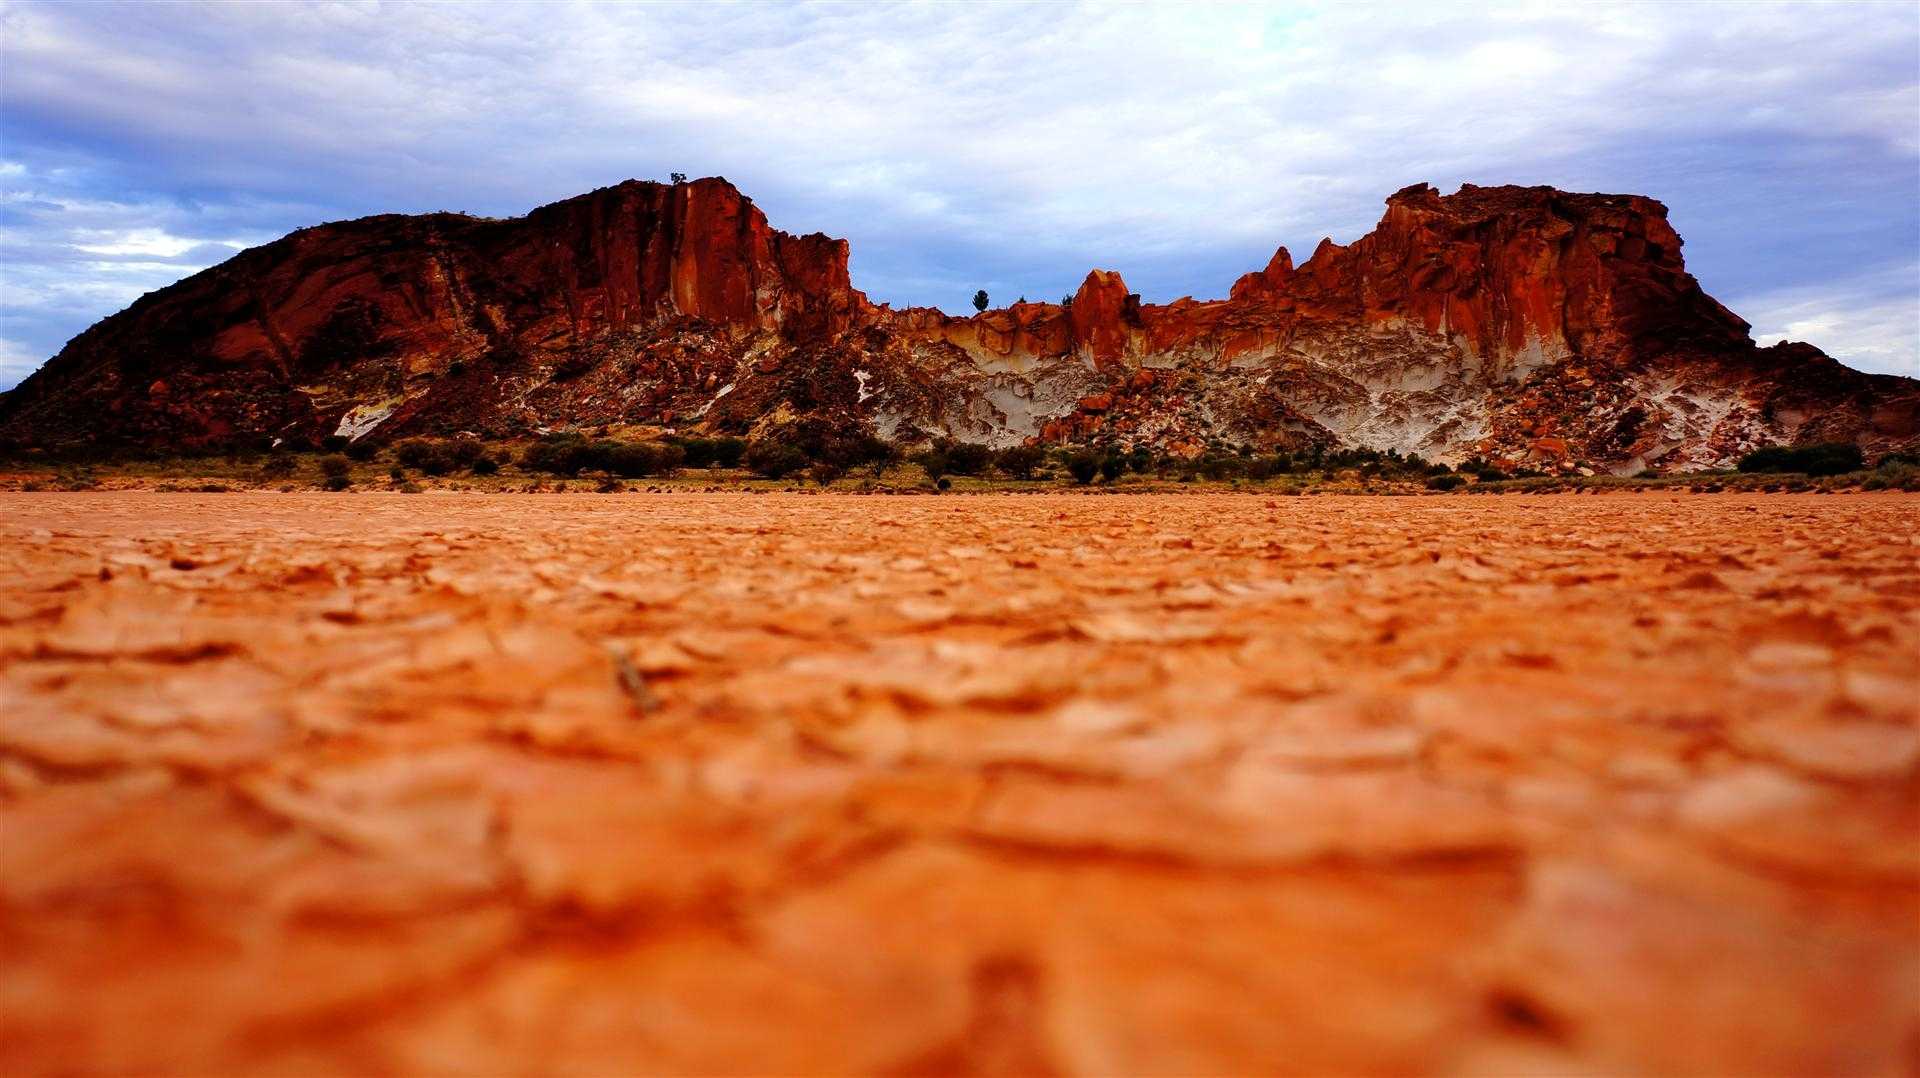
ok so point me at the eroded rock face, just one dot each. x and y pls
(1525, 323)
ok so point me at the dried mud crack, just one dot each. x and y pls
(1031, 784)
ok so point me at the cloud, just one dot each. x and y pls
(1873, 319)
(957, 146)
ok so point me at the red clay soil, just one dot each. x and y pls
(783, 784)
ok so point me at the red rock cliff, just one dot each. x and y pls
(1492, 319)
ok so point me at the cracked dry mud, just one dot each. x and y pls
(1023, 784)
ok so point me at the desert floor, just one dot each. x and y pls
(780, 784)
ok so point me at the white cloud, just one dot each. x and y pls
(16, 362)
(1871, 322)
(138, 241)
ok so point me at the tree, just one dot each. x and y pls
(677, 177)
(980, 300)
(935, 462)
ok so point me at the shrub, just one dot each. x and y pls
(362, 449)
(1825, 458)
(824, 472)
(1020, 461)
(935, 462)
(338, 482)
(1264, 467)
(968, 458)
(555, 454)
(633, 460)
(1215, 466)
(485, 466)
(1894, 473)
(1083, 466)
(1111, 466)
(278, 466)
(772, 459)
(712, 452)
(334, 443)
(397, 473)
(335, 466)
(433, 458)
(1445, 482)
(465, 451)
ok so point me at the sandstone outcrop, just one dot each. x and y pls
(1524, 323)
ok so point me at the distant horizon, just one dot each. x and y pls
(1178, 147)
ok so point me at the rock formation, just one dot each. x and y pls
(1523, 323)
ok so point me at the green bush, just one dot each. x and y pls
(338, 482)
(555, 454)
(465, 451)
(1446, 482)
(485, 466)
(1824, 458)
(1111, 467)
(570, 454)
(278, 466)
(1894, 474)
(711, 452)
(433, 458)
(772, 459)
(1020, 461)
(968, 458)
(335, 466)
(699, 452)
(633, 460)
(1217, 466)
(1083, 466)
(935, 462)
(362, 449)
(1268, 467)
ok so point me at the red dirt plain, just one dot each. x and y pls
(1005, 784)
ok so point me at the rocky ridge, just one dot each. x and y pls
(1522, 323)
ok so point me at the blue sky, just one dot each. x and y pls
(1001, 146)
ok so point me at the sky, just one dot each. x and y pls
(1002, 146)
